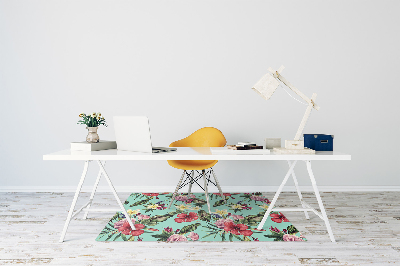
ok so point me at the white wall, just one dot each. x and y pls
(189, 64)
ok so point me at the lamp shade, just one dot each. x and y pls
(266, 86)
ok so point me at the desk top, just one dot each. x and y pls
(186, 153)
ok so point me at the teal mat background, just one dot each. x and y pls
(188, 219)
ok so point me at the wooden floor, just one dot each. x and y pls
(366, 226)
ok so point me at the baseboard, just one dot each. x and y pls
(195, 189)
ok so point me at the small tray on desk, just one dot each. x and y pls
(225, 150)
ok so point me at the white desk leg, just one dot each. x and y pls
(71, 210)
(128, 218)
(271, 206)
(93, 192)
(176, 189)
(298, 191)
(321, 205)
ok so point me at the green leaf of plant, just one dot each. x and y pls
(237, 237)
(154, 220)
(275, 237)
(189, 228)
(210, 234)
(199, 201)
(117, 236)
(254, 220)
(204, 216)
(163, 236)
(219, 203)
(140, 202)
(109, 237)
(292, 230)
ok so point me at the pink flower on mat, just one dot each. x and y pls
(176, 237)
(225, 194)
(291, 238)
(221, 223)
(193, 236)
(151, 194)
(181, 198)
(142, 217)
(187, 199)
(259, 198)
(121, 223)
(236, 217)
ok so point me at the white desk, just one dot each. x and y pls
(194, 154)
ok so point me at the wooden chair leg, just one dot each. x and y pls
(206, 190)
(219, 187)
(176, 190)
(191, 182)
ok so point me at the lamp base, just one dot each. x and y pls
(294, 144)
(293, 151)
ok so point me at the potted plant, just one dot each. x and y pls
(92, 123)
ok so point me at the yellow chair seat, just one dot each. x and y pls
(191, 164)
(204, 137)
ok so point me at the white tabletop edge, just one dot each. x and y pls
(185, 153)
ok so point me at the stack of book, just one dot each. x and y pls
(240, 148)
(98, 146)
(245, 146)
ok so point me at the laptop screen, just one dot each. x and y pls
(132, 133)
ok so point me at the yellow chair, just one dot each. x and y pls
(204, 137)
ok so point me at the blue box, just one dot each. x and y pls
(318, 142)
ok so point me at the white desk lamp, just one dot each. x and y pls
(266, 86)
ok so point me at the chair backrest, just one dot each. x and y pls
(204, 137)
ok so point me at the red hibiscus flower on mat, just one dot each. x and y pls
(127, 230)
(237, 229)
(183, 217)
(278, 217)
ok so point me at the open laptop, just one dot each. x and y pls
(133, 134)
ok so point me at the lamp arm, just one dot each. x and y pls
(305, 117)
(293, 88)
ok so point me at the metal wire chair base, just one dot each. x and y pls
(196, 176)
(191, 178)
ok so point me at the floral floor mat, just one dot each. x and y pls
(235, 219)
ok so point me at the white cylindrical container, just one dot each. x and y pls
(271, 143)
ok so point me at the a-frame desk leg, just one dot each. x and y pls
(86, 207)
(305, 206)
